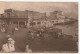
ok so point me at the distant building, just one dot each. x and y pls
(58, 17)
(41, 22)
(32, 18)
(19, 17)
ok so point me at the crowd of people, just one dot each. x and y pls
(9, 46)
(32, 34)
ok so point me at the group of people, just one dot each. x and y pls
(39, 34)
(3, 28)
(10, 29)
(33, 36)
(9, 46)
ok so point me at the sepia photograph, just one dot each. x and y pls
(38, 27)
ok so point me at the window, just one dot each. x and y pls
(15, 22)
(22, 23)
(33, 23)
(26, 21)
(38, 22)
(52, 21)
(56, 21)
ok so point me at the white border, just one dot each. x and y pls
(43, 0)
(47, 1)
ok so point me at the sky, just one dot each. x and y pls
(70, 8)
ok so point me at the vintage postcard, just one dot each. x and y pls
(38, 27)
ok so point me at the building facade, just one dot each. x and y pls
(59, 17)
(32, 18)
(17, 17)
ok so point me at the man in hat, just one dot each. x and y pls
(11, 41)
